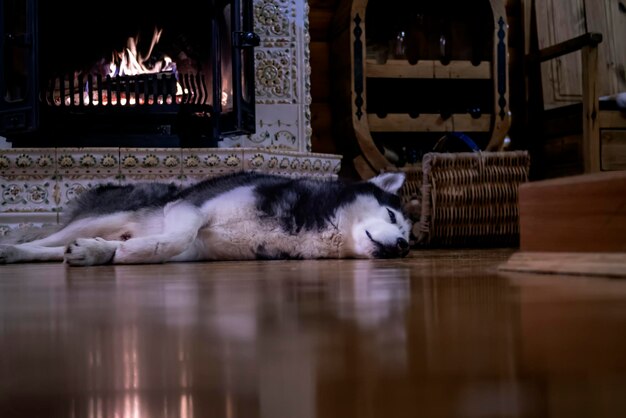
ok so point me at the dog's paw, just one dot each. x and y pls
(90, 252)
(8, 254)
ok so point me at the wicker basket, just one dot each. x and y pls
(467, 199)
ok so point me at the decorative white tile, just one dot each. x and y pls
(97, 163)
(80, 169)
(280, 124)
(28, 163)
(27, 195)
(292, 163)
(275, 70)
(27, 180)
(150, 164)
(201, 163)
(274, 20)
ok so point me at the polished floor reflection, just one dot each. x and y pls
(439, 334)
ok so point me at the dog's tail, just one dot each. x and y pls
(28, 233)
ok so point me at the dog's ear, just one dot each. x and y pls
(389, 182)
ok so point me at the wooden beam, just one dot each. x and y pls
(572, 45)
(591, 128)
(428, 69)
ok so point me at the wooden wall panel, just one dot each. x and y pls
(321, 13)
(320, 78)
(321, 119)
(319, 23)
(559, 20)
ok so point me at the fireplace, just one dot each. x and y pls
(63, 141)
(126, 73)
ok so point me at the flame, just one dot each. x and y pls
(88, 89)
(131, 62)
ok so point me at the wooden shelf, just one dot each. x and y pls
(428, 69)
(429, 123)
(372, 85)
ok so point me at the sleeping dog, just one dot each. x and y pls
(241, 216)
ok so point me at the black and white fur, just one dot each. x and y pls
(234, 217)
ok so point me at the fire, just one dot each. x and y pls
(134, 78)
(131, 62)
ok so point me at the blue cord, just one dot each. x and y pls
(468, 141)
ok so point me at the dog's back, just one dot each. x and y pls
(111, 198)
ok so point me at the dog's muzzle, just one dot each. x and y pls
(399, 249)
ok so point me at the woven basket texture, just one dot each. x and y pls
(467, 199)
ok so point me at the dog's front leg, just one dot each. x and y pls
(90, 251)
(181, 222)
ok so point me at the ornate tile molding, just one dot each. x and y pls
(274, 76)
(27, 182)
(275, 19)
(282, 77)
(150, 164)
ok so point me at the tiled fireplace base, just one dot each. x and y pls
(36, 184)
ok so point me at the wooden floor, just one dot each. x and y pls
(439, 334)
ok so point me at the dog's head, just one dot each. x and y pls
(378, 226)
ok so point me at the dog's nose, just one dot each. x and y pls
(403, 246)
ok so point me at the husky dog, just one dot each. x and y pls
(240, 216)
